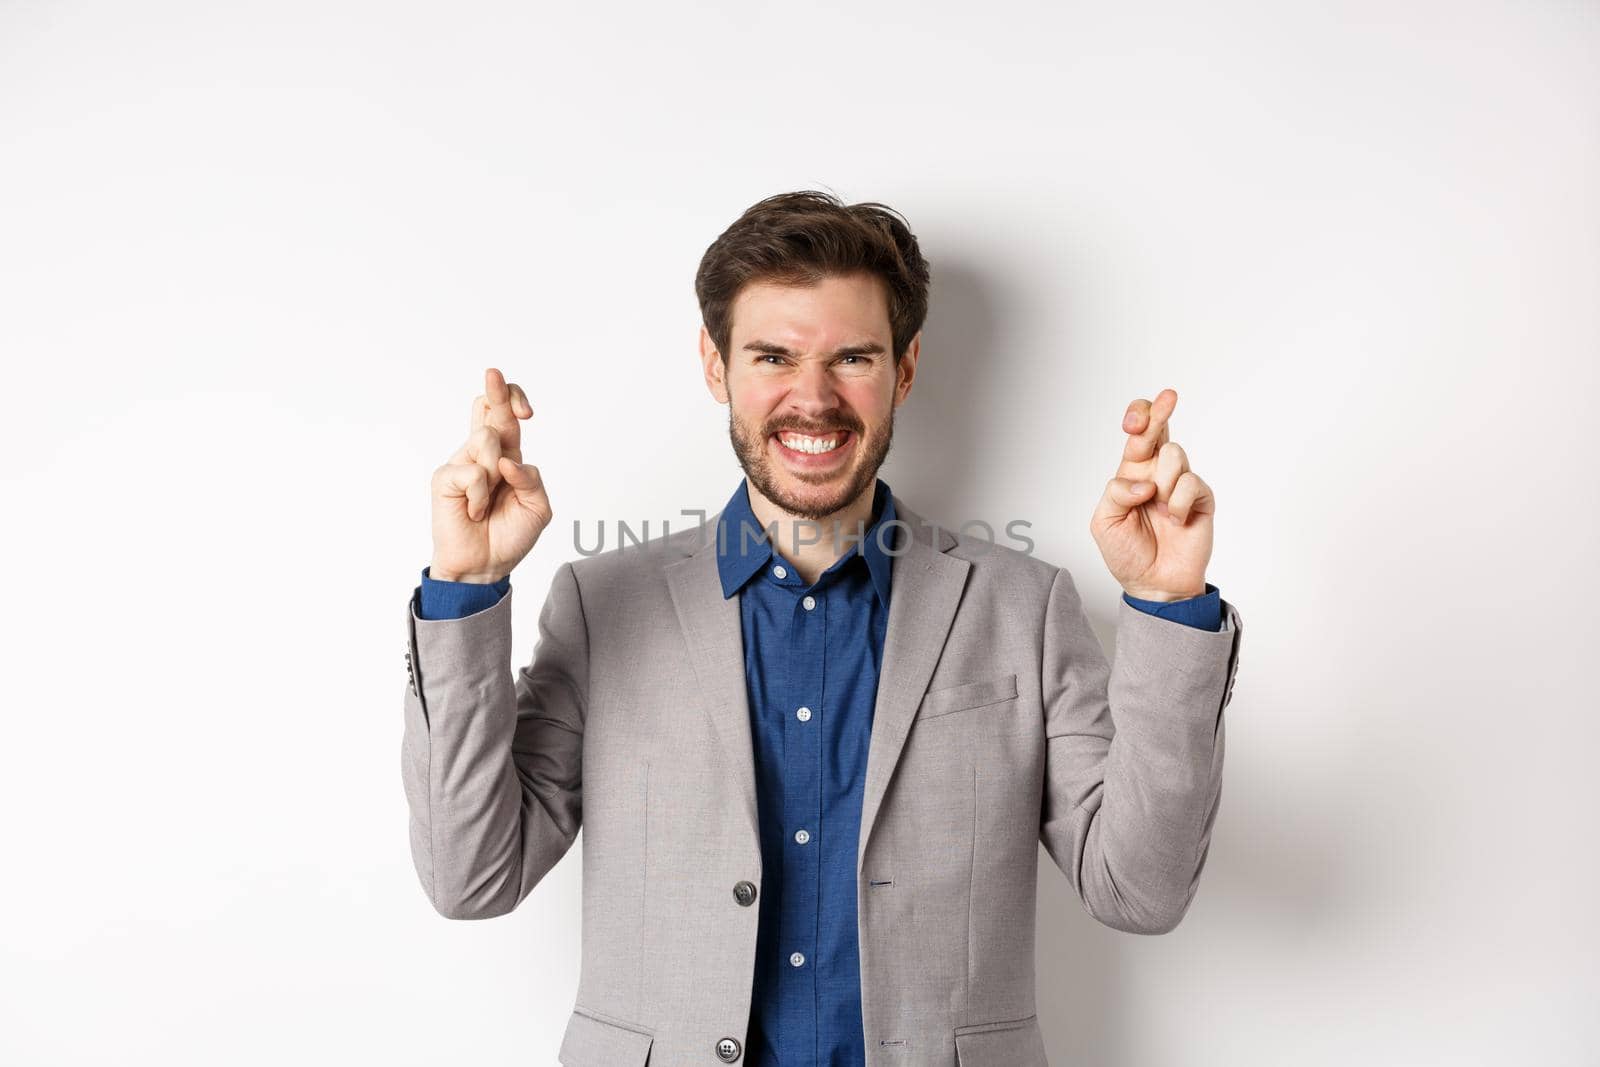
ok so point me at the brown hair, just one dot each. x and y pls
(799, 239)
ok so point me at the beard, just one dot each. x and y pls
(751, 448)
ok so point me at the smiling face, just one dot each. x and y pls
(811, 386)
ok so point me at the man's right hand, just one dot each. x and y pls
(488, 506)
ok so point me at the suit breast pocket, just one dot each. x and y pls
(967, 696)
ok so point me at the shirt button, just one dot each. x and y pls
(802, 836)
(804, 714)
(797, 959)
(779, 572)
(808, 603)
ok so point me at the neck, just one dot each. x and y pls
(811, 546)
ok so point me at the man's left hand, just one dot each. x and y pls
(1153, 523)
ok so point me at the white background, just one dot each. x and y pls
(254, 257)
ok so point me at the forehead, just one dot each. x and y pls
(838, 310)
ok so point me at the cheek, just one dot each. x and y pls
(755, 402)
(867, 400)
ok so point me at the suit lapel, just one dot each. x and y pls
(923, 594)
(714, 633)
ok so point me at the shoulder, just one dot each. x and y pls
(631, 561)
(994, 555)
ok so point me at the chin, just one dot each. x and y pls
(816, 500)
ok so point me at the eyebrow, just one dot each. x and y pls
(770, 348)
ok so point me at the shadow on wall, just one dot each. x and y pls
(1277, 874)
(936, 461)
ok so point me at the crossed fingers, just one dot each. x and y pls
(1151, 455)
(1146, 425)
(495, 430)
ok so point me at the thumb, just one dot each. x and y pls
(528, 485)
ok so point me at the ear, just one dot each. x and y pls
(711, 364)
(907, 370)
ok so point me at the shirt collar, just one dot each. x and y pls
(741, 554)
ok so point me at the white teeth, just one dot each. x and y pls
(813, 445)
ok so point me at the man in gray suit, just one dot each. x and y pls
(815, 742)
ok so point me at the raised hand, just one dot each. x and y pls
(1154, 522)
(488, 506)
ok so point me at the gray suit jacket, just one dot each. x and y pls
(998, 724)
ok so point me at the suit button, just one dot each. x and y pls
(745, 894)
(727, 1050)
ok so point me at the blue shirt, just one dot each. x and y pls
(812, 678)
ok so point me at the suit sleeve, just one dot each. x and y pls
(491, 759)
(1133, 772)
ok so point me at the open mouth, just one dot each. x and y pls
(814, 450)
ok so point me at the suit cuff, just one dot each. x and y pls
(1203, 612)
(440, 599)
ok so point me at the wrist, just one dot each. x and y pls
(469, 577)
(1161, 596)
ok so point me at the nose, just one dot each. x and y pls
(812, 393)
